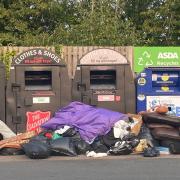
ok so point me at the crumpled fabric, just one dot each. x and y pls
(143, 144)
(94, 154)
(121, 129)
(89, 121)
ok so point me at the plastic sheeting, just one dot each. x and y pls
(88, 120)
(6, 131)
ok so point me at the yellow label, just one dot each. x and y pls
(165, 88)
(165, 77)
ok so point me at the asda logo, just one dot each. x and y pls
(167, 55)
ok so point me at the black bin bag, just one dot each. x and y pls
(36, 150)
(151, 152)
(124, 147)
(63, 146)
(121, 148)
(11, 151)
(81, 146)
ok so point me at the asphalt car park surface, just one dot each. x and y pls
(134, 167)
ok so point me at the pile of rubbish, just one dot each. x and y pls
(80, 129)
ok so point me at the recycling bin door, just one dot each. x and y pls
(103, 86)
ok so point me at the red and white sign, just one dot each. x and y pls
(105, 97)
(36, 119)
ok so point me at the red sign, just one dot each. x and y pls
(39, 60)
(118, 98)
(36, 119)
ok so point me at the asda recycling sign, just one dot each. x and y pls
(155, 56)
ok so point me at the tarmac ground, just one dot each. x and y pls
(135, 167)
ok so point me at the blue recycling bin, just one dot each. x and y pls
(158, 86)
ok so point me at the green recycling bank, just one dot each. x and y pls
(158, 79)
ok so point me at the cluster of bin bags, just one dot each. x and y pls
(83, 129)
(80, 129)
(89, 121)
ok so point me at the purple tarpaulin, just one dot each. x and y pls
(88, 120)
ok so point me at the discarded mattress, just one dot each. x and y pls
(165, 134)
(162, 119)
(89, 121)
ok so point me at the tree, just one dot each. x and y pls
(29, 20)
(162, 23)
(102, 23)
(89, 22)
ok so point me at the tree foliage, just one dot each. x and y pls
(89, 22)
(164, 27)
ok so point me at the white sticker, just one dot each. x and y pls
(141, 97)
(41, 100)
(154, 77)
(106, 98)
(143, 74)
